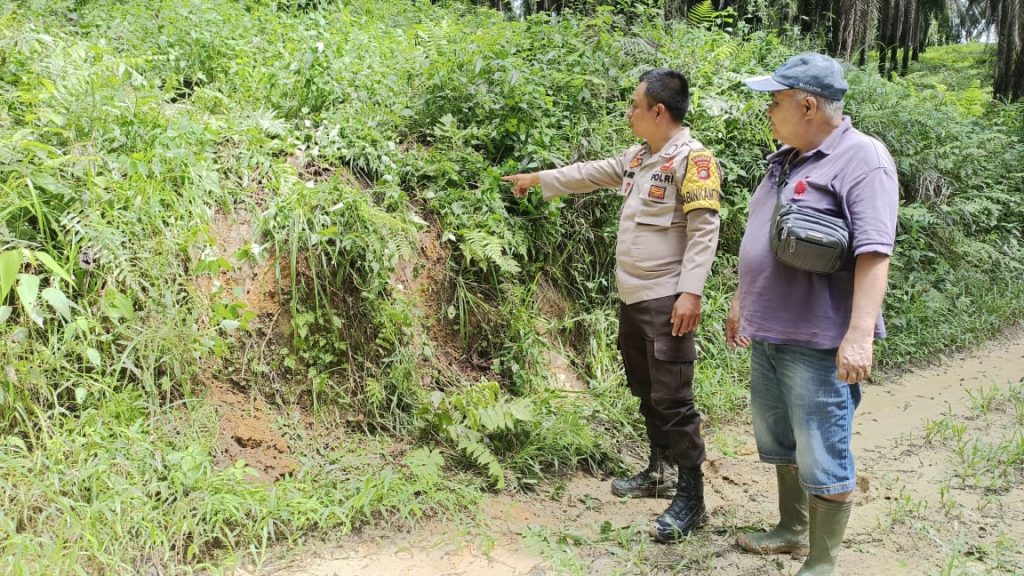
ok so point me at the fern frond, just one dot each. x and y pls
(471, 444)
(487, 250)
(702, 14)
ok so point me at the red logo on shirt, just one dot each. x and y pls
(637, 160)
(667, 166)
(800, 189)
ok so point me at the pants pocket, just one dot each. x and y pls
(673, 365)
(675, 348)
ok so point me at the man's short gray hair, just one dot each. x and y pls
(831, 108)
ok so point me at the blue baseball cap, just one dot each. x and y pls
(811, 72)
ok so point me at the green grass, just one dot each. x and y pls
(352, 133)
(984, 446)
(957, 67)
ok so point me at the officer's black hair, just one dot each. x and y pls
(668, 87)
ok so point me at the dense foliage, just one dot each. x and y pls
(362, 138)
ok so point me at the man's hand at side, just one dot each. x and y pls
(685, 314)
(853, 359)
(870, 277)
(732, 325)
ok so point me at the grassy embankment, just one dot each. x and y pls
(418, 307)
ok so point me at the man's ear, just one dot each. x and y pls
(810, 106)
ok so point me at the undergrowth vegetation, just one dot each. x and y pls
(423, 305)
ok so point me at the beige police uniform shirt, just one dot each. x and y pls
(668, 226)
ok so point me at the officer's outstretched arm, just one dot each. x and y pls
(578, 178)
(582, 177)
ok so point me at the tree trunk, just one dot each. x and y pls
(850, 27)
(922, 41)
(909, 36)
(1009, 80)
(884, 24)
(804, 11)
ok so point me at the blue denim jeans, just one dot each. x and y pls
(803, 414)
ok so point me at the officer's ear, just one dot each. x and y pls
(659, 110)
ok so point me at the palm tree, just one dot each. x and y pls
(1009, 22)
(849, 33)
(893, 28)
(904, 25)
(968, 19)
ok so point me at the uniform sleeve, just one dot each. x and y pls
(701, 243)
(700, 194)
(702, 182)
(582, 177)
(871, 204)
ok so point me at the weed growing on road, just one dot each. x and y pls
(946, 428)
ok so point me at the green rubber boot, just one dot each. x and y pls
(790, 535)
(828, 523)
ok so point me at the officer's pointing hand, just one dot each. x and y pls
(685, 314)
(521, 183)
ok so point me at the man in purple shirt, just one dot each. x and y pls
(812, 334)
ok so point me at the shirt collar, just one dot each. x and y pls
(830, 143)
(827, 147)
(674, 144)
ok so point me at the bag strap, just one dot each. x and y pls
(780, 183)
(783, 177)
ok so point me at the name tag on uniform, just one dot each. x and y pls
(659, 192)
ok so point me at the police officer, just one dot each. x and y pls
(668, 233)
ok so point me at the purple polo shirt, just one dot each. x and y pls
(850, 175)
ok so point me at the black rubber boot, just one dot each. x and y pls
(655, 481)
(686, 512)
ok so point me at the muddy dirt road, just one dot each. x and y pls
(940, 493)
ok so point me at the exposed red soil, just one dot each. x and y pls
(245, 433)
(245, 429)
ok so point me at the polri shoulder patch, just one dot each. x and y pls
(702, 184)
